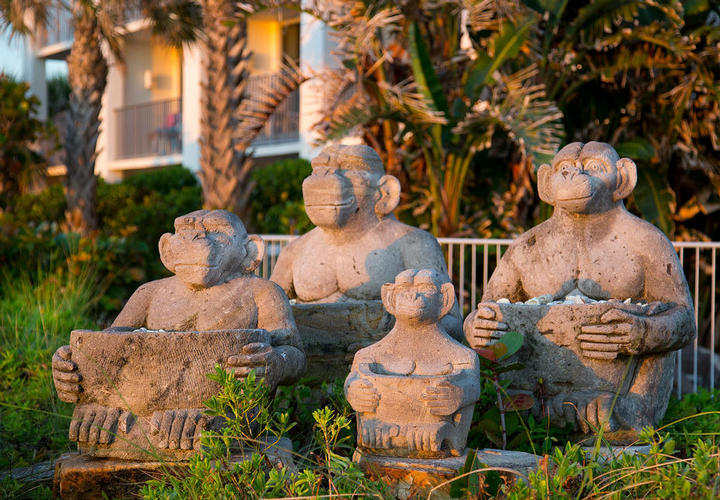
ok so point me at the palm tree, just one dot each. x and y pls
(232, 119)
(96, 23)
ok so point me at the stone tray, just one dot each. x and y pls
(551, 350)
(146, 371)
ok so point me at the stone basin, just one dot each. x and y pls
(141, 372)
(551, 351)
(332, 333)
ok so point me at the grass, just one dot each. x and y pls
(37, 312)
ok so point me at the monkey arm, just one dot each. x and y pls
(506, 280)
(275, 316)
(134, 314)
(282, 272)
(665, 283)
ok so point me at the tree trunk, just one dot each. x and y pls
(225, 167)
(87, 75)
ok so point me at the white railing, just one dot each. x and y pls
(471, 262)
(149, 129)
(284, 124)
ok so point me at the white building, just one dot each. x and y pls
(151, 107)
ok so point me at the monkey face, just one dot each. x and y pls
(418, 297)
(209, 248)
(586, 179)
(333, 195)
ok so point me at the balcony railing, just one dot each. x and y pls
(59, 26)
(149, 129)
(284, 123)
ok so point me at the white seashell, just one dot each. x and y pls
(503, 301)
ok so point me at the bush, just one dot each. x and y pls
(277, 202)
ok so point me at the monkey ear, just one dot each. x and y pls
(255, 251)
(387, 294)
(448, 294)
(626, 178)
(543, 184)
(166, 255)
(389, 188)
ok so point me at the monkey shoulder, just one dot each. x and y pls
(643, 237)
(302, 244)
(462, 356)
(420, 249)
(264, 292)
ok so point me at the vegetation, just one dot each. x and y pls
(20, 164)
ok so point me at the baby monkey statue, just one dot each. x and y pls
(599, 295)
(414, 391)
(139, 387)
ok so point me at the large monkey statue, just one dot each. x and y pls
(358, 244)
(214, 288)
(593, 248)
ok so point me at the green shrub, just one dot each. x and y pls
(277, 202)
(37, 312)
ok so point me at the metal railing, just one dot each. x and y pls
(284, 123)
(59, 27)
(149, 129)
(471, 262)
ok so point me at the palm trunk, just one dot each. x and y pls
(87, 75)
(225, 167)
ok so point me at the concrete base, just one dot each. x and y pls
(82, 477)
(416, 477)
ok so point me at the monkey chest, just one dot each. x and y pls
(207, 312)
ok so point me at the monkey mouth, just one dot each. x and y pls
(341, 204)
(202, 266)
(576, 198)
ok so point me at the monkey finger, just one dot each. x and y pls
(484, 312)
(200, 426)
(71, 376)
(600, 355)
(156, 422)
(84, 431)
(165, 428)
(68, 397)
(186, 439)
(604, 339)
(109, 426)
(256, 347)
(434, 442)
(77, 419)
(488, 324)
(64, 352)
(67, 387)
(96, 426)
(616, 315)
(176, 429)
(611, 329)
(600, 347)
(63, 365)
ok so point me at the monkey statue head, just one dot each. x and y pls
(348, 185)
(210, 247)
(418, 297)
(586, 178)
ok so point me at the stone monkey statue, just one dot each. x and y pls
(213, 288)
(594, 248)
(358, 244)
(415, 389)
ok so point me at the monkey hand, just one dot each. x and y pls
(261, 357)
(66, 376)
(484, 327)
(362, 396)
(375, 434)
(443, 398)
(178, 429)
(619, 332)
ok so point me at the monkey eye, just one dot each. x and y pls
(426, 289)
(594, 166)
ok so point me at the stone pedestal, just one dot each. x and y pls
(333, 333)
(78, 476)
(416, 477)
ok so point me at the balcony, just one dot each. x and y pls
(284, 123)
(149, 129)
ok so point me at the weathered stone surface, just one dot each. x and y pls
(143, 390)
(579, 357)
(415, 390)
(333, 333)
(358, 244)
(416, 478)
(79, 476)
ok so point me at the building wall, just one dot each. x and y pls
(163, 63)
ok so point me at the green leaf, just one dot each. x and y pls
(425, 76)
(513, 341)
(638, 150)
(506, 46)
(519, 402)
(654, 198)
